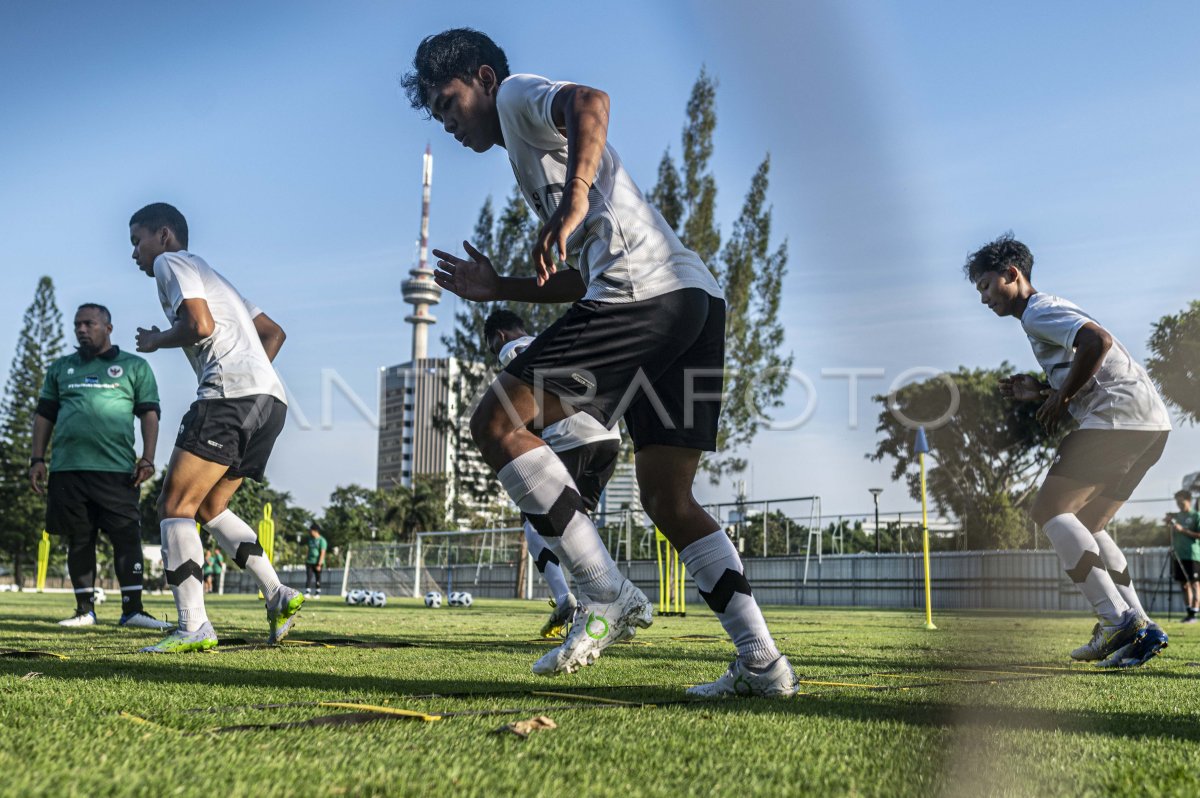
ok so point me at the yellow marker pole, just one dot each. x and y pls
(671, 599)
(266, 536)
(659, 541)
(922, 447)
(43, 560)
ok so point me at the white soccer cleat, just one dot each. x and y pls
(777, 681)
(595, 628)
(1090, 651)
(80, 619)
(556, 624)
(283, 608)
(140, 620)
(1106, 640)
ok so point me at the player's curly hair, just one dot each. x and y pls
(997, 256)
(501, 319)
(158, 215)
(455, 53)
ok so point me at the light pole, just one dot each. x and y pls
(875, 495)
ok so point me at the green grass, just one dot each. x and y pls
(925, 725)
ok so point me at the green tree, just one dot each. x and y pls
(1174, 362)
(689, 201)
(987, 459)
(419, 508)
(751, 274)
(351, 515)
(508, 241)
(756, 367)
(1139, 531)
(22, 512)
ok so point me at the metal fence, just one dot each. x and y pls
(999, 580)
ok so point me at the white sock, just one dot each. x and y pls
(715, 565)
(183, 558)
(547, 564)
(240, 543)
(543, 489)
(1118, 570)
(1080, 555)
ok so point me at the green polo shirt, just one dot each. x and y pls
(1187, 548)
(315, 547)
(92, 404)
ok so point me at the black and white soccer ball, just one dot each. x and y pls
(433, 599)
(356, 598)
(377, 598)
(461, 599)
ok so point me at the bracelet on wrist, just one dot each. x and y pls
(581, 180)
(35, 460)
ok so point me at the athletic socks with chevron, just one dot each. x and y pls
(240, 543)
(183, 556)
(1118, 569)
(715, 565)
(547, 564)
(542, 488)
(1079, 553)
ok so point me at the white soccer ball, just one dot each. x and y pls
(378, 598)
(356, 597)
(433, 599)
(460, 599)
(99, 596)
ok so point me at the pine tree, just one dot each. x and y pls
(700, 233)
(667, 194)
(508, 242)
(689, 203)
(749, 272)
(22, 513)
(756, 368)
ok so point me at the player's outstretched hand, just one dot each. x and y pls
(147, 340)
(474, 279)
(1022, 388)
(1050, 415)
(551, 244)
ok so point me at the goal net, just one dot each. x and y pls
(483, 562)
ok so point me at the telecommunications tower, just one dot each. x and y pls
(419, 289)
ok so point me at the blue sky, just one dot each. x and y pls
(902, 135)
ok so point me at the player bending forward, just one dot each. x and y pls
(586, 447)
(644, 340)
(226, 435)
(1123, 427)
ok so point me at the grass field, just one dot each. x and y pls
(986, 705)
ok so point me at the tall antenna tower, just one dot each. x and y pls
(419, 289)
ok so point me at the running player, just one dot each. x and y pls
(644, 341)
(228, 433)
(1123, 427)
(587, 449)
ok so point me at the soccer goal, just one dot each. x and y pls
(485, 562)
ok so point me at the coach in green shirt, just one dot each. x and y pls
(1185, 541)
(314, 564)
(86, 410)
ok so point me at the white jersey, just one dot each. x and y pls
(231, 362)
(1119, 396)
(573, 431)
(624, 249)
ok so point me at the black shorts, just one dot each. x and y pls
(591, 466)
(1117, 459)
(1185, 570)
(658, 363)
(80, 502)
(239, 433)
